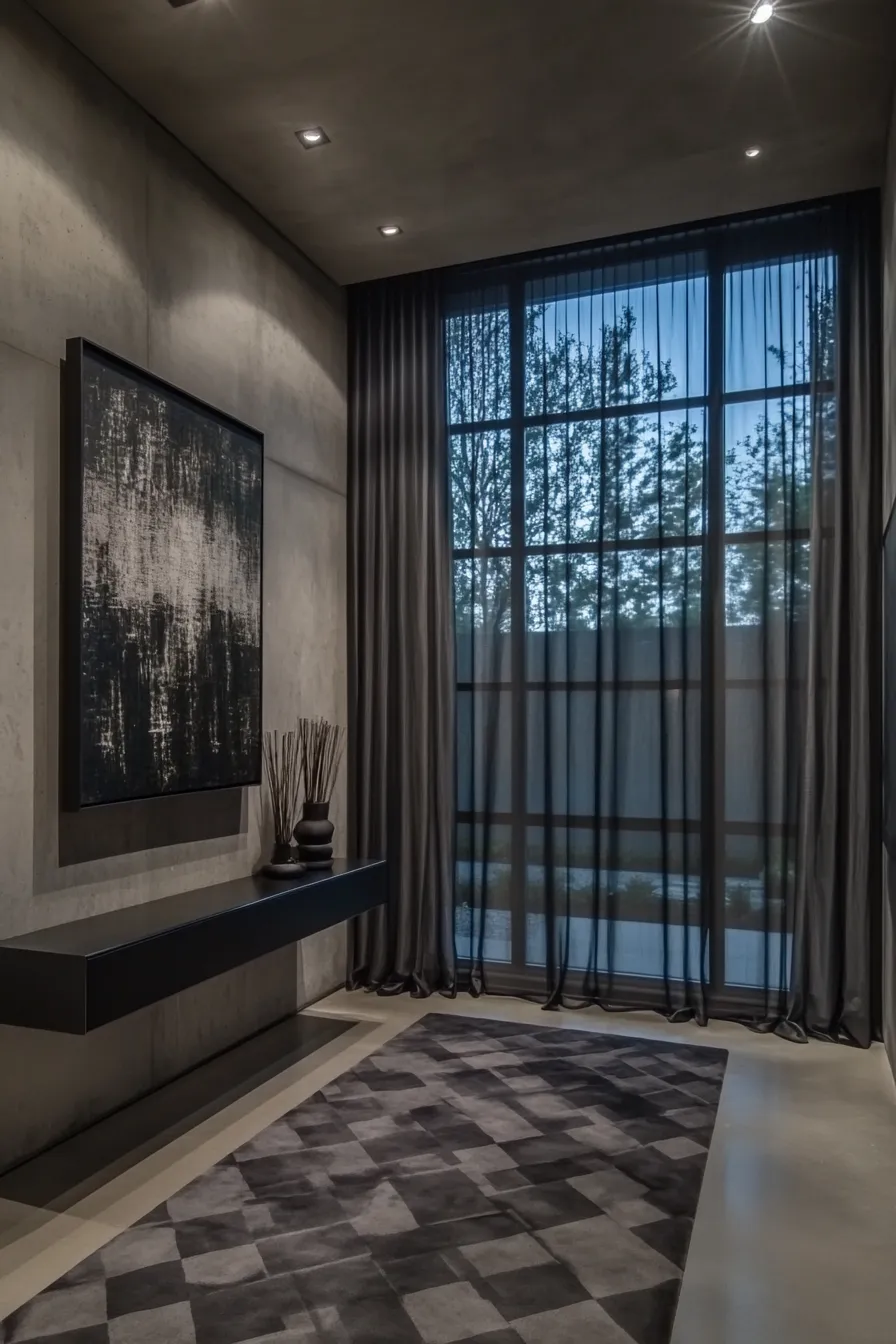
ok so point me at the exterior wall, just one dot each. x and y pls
(110, 230)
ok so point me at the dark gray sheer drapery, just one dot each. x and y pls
(835, 983)
(401, 653)
(662, 456)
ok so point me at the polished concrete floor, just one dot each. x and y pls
(795, 1237)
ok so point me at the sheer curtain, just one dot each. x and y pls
(664, 592)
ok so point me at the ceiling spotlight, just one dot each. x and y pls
(762, 12)
(389, 230)
(753, 152)
(313, 136)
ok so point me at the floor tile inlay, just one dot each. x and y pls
(471, 1181)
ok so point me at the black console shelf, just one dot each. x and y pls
(77, 977)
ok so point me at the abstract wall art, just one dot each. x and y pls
(161, 588)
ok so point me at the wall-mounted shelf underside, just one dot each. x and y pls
(79, 976)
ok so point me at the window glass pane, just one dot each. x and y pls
(483, 751)
(655, 587)
(478, 365)
(641, 760)
(482, 619)
(482, 595)
(630, 335)
(763, 765)
(482, 927)
(759, 879)
(622, 654)
(480, 488)
(776, 651)
(625, 915)
(766, 582)
(768, 461)
(616, 479)
(779, 323)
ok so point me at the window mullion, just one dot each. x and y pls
(518, 694)
(713, 620)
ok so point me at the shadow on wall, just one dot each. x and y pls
(117, 224)
(154, 823)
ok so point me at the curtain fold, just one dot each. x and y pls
(401, 655)
(835, 989)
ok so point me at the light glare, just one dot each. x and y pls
(764, 11)
(313, 136)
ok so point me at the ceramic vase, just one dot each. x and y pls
(284, 862)
(314, 836)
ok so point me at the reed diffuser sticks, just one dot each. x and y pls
(321, 748)
(283, 760)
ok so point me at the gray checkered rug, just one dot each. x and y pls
(471, 1181)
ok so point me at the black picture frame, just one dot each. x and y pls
(72, 725)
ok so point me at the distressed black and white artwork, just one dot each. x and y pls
(170, 541)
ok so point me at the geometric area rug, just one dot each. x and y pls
(471, 1182)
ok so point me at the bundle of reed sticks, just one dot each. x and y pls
(283, 767)
(322, 745)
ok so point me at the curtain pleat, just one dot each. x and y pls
(401, 650)
(834, 990)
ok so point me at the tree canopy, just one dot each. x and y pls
(626, 489)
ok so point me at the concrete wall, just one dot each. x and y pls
(889, 492)
(110, 230)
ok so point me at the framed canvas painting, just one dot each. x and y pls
(161, 588)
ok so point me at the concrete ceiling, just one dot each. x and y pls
(491, 126)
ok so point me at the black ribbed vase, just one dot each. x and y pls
(314, 836)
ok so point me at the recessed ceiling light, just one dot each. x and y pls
(389, 230)
(762, 12)
(753, 152)
(313, 136)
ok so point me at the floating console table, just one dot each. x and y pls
(76, 977)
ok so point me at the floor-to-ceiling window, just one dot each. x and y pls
(637, 441)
